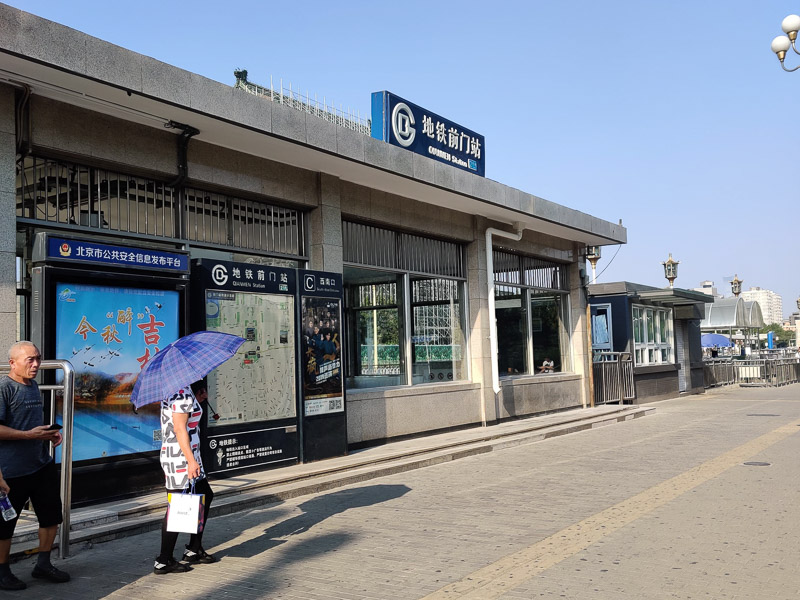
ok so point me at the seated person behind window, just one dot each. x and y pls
(547, 366)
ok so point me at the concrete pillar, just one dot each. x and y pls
(325, 227)
(582, 359)
(8, 280)
(478, 318)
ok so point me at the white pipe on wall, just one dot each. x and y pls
(492, 320)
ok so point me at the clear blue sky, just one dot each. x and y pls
(672, 116)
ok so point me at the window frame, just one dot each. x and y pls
(531, 276)
(653, 335)
(409, 257)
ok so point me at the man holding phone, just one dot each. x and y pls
(26, 463)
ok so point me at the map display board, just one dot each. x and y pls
(258, 384)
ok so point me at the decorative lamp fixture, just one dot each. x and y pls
(671, 269)
(781, 44)
(736, 286)
(593, 255)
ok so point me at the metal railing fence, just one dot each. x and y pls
(718, 371)
(753, 372)
(771, 373)
(66, 390)
(613, 377)
(322, 109)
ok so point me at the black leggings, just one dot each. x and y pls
(170, 538)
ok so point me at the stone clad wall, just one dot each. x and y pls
(8, 280)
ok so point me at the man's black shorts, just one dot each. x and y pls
(42, 488)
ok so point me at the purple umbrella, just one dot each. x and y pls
(183, 362)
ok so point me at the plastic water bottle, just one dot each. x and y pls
(5, 507)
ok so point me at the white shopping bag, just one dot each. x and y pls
(185, 512)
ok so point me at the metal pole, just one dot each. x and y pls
(66, 457)
(589, 355)
(68, 389)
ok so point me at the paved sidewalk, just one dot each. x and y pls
(144, 513)
(699, 501)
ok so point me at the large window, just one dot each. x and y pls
(374, 325)
(531, 308)
(437, 333)
(652, 335)
(405, 308)
(512, 330)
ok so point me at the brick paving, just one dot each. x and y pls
(731, 532)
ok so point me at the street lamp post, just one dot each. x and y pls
(736, 286)
(781, 44)
(593, 255)
(671, 269)
(797, 327)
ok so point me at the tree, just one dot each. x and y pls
(779, 335)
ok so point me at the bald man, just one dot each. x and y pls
(25, 460)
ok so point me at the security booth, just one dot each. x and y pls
(108, 307)
(657, 328)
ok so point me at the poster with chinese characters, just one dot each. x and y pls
(258, 384)
(322, 356)
(109, 334)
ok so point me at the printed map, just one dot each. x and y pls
(258, 384)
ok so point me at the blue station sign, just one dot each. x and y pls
(404, 124)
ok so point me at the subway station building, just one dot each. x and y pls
(139, 202)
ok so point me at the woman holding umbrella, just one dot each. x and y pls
(181, 414)
(165, 379)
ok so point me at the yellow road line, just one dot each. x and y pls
(513, 570)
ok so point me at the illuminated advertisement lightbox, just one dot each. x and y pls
(109, 334)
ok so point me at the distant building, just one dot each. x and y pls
(707, 287)
(770, 302)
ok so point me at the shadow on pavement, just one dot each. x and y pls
(125, 577)
(315, 511)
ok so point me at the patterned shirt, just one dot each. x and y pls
(172, 460)
(21, 408)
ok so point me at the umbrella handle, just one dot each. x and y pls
(214, 413)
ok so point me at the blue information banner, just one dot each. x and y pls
(404, 124)
(114, 255)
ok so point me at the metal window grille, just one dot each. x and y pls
(64, 193)
(529, 272)
(218, 219)
(375, 295)
(378, 247)
(434, 290)
(69, 194)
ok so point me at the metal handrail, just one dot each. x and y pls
(67, 387)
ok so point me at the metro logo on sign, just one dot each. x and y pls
(404, 124)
